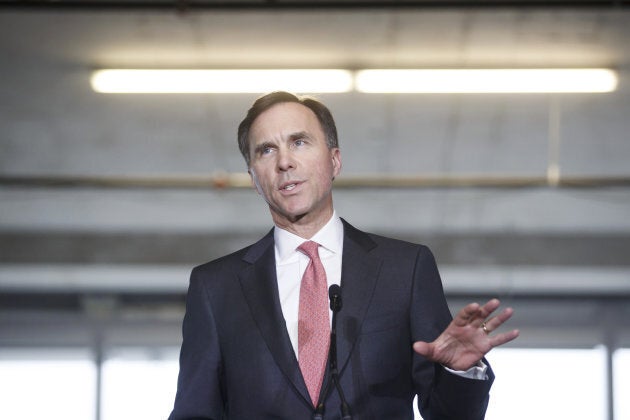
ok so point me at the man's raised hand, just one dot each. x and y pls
(467, 339)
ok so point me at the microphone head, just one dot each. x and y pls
(334, 294)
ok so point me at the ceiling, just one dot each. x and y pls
(353, 37)
(84, 176)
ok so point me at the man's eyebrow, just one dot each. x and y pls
(299, 135)
(262, 146)
(292, 137)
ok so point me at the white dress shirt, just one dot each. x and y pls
(291, 264)
(290, 267)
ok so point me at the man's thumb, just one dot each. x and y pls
(422, 348)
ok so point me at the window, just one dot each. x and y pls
(621, 367)
(49, 384)
(60, 384)
(139, 384)
(548, 384)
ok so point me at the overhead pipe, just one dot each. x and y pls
(241, 180)
(262, 5)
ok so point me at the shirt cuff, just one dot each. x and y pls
(476, 372)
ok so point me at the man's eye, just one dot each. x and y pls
(299, 142)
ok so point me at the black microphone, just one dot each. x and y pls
(334, 294)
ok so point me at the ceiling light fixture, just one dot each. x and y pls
(591, 80)
(486, 81)
(221, 81)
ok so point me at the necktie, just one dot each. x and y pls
(313, 322)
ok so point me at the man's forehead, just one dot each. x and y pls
(284, 119)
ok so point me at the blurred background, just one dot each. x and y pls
(107, 201)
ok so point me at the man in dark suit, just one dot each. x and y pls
(249, 349)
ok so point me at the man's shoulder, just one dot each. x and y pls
(223, 261)
(397, 247)
(239, 258)
(381, 244)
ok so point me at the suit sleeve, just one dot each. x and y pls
(441, 395)
(199, 391)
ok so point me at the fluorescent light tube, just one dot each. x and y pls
(486, 81)
(221, 81)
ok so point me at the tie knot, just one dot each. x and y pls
(310, 248)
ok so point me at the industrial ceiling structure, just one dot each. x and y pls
(107, 201)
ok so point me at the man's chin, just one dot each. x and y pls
(289, 215)
(295, 217)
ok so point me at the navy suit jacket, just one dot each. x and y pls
(237, 361)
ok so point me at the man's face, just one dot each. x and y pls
(291, 165)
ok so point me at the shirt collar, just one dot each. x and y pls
(330, 236)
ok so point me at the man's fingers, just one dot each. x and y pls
(466, 314)
(491, 306)
(484, 312)
(475, 315)
(495, 322)
(503, 338)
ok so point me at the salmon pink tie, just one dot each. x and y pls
(313, 322)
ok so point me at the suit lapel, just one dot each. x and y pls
(260, 287)
(359, 273)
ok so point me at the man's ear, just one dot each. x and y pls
(335, 155)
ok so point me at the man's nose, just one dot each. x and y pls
(285, 160)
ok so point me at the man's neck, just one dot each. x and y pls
(303, 228)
